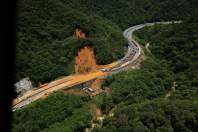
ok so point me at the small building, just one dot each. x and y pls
(23, 85)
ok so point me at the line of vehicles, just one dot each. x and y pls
(132, 53)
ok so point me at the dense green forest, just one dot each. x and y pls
(143, 100)
(156, 116)
(126, 13)
(177, 45)
(46, 48)
(58, 112)
(147, 99)
(161, 96)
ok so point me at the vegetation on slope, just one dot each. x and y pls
(45, 46)
(46, 50)
(156, 115)
(65, 112)
(147, 99)
(177, 45)
(126, 13)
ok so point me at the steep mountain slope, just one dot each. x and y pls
(162, 95)
(59, 109)
(45, 27)
(126, 13)
(46, 47)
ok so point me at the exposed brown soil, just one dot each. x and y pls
(96, 84)
(85, 60)
(78, 33)
(98, 112)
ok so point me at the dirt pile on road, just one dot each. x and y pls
(85, 60)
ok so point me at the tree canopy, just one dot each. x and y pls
(161, 96)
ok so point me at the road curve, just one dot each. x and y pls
(134, 51)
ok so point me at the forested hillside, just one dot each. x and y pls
(57, 112)
(45, 46)
(126, 13)
(163, 94)
(177, 45)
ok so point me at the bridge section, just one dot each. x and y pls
(63, 83)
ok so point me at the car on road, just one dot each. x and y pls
(105, 70)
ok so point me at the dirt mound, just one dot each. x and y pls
(85, 60)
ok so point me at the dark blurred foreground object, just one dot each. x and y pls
(7, 53)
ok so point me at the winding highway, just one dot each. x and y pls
(133, 53)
